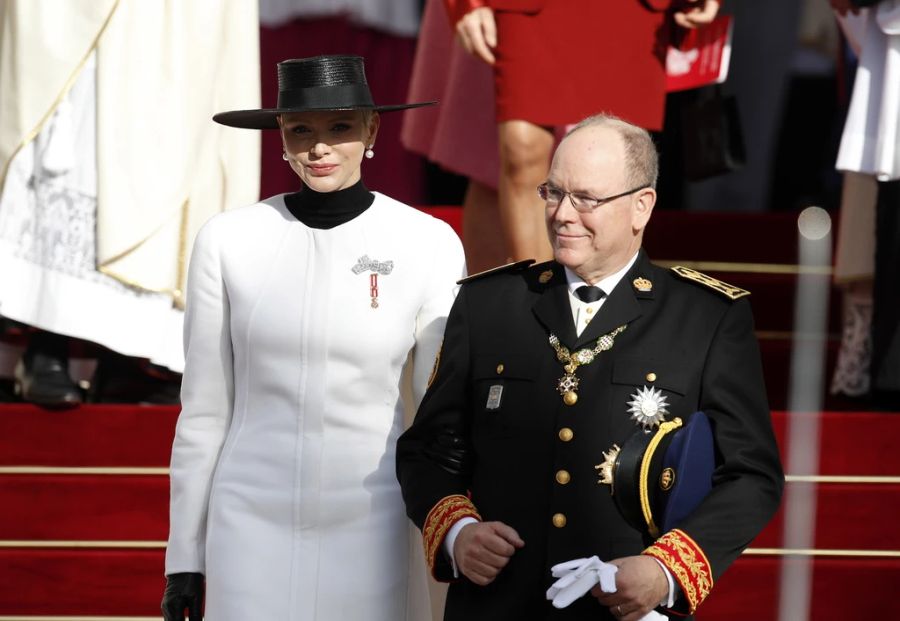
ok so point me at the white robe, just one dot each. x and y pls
(284, 492)
(871, 140)
(110, 162)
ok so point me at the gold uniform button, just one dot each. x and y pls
(566, 434)
(559, 520)
(651, 376)
(500, 368)
(563, 477)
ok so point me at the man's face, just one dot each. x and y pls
(596, 244)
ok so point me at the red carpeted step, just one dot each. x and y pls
(81, 582)
(842, 589)
(850, 443)
(133, 508)
(848, 517)
(702, 236)
(722, 236)
(84, 507)
(81, 507)
(773, 299)
(90, 435)
(103, 582)
(776, 354)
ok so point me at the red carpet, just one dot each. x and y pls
(72, 508)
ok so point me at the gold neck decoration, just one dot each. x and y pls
(568, 383)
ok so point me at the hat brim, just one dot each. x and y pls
(265, 118)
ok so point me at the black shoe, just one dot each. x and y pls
(8, 391)
(42, 374)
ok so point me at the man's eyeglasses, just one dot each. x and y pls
(585, 203)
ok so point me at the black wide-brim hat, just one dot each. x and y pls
(660, 477)
(314, 84)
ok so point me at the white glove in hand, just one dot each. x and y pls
(576, 578)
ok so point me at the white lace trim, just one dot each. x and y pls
(48, 221)
(851, 373)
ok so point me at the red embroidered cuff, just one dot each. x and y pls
(683, 557)
(439, 520)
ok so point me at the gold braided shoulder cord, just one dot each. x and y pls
(568, 383)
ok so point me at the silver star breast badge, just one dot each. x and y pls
(648, 407)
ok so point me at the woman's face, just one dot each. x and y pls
(326, 148)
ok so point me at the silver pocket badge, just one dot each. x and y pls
(494, 394)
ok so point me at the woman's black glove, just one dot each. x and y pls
(451, 452)
(183, 591)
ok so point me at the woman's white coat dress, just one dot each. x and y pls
(297, 341)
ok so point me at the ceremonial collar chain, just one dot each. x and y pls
(568, 383)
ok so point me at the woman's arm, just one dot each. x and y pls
(207, 397)
(473, 22)
(448, 266)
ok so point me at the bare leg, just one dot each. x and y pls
(482, 234)
(524, 160)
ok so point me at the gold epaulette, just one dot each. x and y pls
(729, 291)
(497, 270)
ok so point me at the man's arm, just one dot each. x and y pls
(748, 479)
(434, 455)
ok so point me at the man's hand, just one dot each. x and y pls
(641, 584)
(477, 33)
(482, 549)
(700, 13)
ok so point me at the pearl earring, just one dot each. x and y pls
(284, 156)
(370, 152)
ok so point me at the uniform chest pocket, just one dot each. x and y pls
(645, 390)
(661, 375)
(503, 381)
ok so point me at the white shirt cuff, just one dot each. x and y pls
(450, 539)
(673, 588)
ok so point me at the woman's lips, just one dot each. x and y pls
(321, 170)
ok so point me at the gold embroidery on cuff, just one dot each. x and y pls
(688, 564)
(439, 520)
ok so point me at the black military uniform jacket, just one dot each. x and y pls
(530, 460)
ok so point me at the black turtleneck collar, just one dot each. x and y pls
(326, 210)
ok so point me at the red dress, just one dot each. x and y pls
(559, 61)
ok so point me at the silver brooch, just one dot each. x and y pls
(365, 264)
(648, 407)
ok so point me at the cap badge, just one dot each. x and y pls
(642, 284)
(648, 407)
(666, 479)
(545, 277)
